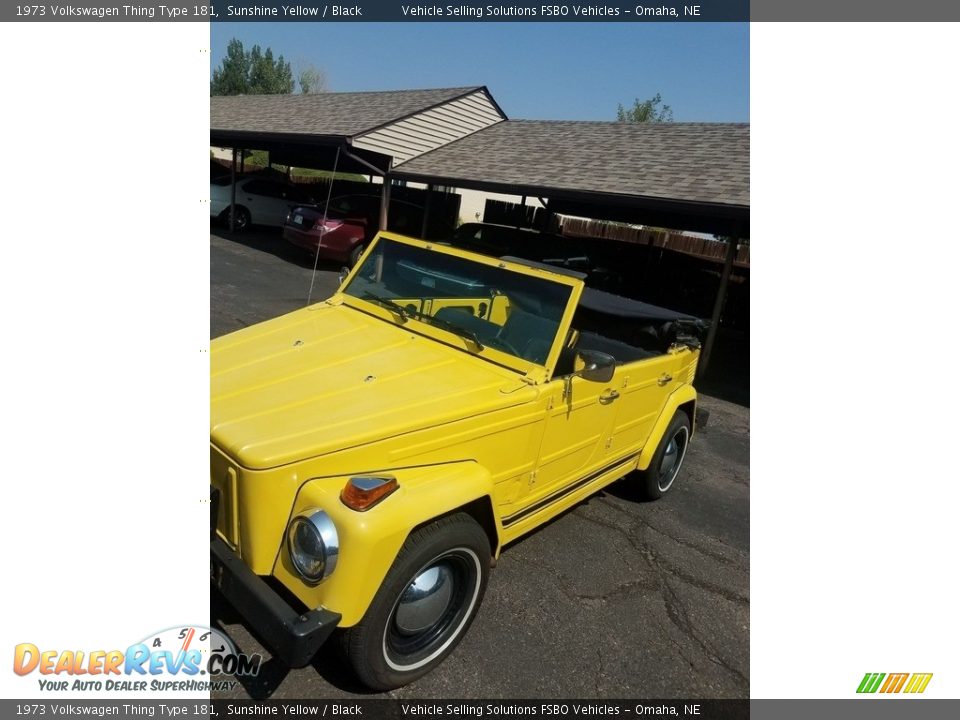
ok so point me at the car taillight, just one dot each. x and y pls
(328, 225)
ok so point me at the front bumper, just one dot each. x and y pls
(302, 238)
(292, 636)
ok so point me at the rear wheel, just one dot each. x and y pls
(424, 606)
(664, 467)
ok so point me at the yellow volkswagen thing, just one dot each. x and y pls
(370, 455)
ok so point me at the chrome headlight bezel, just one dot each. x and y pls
(313, 545)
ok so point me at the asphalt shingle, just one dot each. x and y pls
(691, 162)
(347, 114)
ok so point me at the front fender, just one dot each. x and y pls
(370, 541)
(681, 396)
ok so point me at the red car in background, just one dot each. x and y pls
(351, 222)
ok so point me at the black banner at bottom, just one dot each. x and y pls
(379, 709)
(488, 709)
(872, 708)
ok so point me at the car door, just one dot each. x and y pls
(219, 198)
(262, 199)
(579, 423)
(250, 194)
(641, 390)
(276, 203)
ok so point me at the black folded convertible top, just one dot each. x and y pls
(610, 304)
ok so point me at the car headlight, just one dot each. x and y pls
(313, 545)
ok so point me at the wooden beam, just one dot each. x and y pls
(233, 191)
(732, 245)
(426, 212)
(385, 202)
(523, 210)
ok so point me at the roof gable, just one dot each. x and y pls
(325, 114)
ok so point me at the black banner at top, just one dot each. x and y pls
(386, 11)
(486, 11)
(482, 11)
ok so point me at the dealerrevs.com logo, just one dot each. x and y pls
(911, 683)
(180, 659)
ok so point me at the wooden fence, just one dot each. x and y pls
(526, 216)
(666, 239)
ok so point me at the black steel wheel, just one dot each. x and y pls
(424, 606)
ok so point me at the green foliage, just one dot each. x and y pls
(232, 77)
(312, 80)
(258, 159)
(251, 73)
(299, 172)
(652, 110)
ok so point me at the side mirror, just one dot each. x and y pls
(344, 271)
(597, 366)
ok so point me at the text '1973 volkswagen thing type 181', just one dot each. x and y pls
(372, 453)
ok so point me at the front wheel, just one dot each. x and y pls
(424, 606)
(241, 218)
(355, 255)
(664, 467)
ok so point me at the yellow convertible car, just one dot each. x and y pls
(370, 455)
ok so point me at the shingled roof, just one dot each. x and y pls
(690, 175)
(346, 114)
(685, 162)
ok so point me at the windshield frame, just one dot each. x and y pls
(534, 372)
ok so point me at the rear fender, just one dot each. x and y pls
(370, 541)
(681, 396)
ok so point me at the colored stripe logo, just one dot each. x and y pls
(918, 683)
(894, 682)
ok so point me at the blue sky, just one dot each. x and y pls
(548, 71)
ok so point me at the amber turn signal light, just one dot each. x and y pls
(363, 492)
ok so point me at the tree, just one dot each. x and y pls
(652, 110)
(233, 75)
(251, 73)
(312, 80)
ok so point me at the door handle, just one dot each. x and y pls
(664, 379)
(608, 396)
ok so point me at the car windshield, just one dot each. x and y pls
(488, 305)
(347, 204)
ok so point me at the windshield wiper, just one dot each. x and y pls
(390, 305)
(452, 327)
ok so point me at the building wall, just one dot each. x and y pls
(433, 128)
(472, 202)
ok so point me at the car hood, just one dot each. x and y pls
(330, 377)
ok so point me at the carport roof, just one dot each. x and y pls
(356, 131)
(687, 175)
(324, 114)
